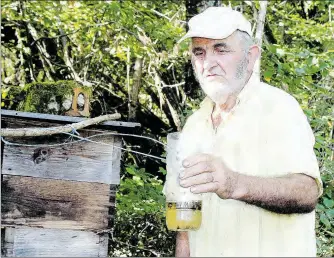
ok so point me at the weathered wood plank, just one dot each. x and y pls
(7, 242)
(116, 161)
(58, 118)
(78, 161)
(18, 122)
(35, 242)
(49, 203)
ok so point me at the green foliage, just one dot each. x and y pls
(140, 225)
(140, 193)
(11, 97)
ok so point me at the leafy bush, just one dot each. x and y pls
(139, 228)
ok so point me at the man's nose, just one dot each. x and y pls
(209, 62)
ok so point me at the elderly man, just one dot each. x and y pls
(257, 169)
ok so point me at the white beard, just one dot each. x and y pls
(217, 91)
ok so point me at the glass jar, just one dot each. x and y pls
(183, 208)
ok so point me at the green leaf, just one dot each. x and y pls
(280, 52)
(324, 220)
(329, 203)
(330, 213)
(268, 74)
(131, 170)
(300, 70)
(162, 170)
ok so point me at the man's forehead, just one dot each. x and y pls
(196, 41)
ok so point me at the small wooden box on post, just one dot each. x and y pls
(58, 198)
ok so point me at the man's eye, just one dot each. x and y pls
(198, 53)
(221, 50)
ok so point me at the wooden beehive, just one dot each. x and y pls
(58, 200)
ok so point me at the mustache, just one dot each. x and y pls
(206, 74)
(214, 72)
(209, 73)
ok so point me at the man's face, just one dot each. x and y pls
(220, 66)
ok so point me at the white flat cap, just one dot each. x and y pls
(217, 23)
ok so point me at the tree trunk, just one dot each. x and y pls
(21, 74)
(134, 89)
(259, 33)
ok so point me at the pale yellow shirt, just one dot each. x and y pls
(266, 134)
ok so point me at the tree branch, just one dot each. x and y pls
(173, 85)
(69, 33)
(133, 103)
(28, 132)
(175, 116)
(45, 57)
(259, 32)
(68, 61)
(161, 14)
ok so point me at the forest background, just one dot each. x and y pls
(126, 53)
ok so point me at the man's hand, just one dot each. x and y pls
(206, 173)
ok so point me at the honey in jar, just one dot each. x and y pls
(183, 216)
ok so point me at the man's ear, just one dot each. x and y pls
(253, 55)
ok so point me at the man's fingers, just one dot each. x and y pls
(197, 180)
(197, 158)
(199, 168)
(205, 188)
